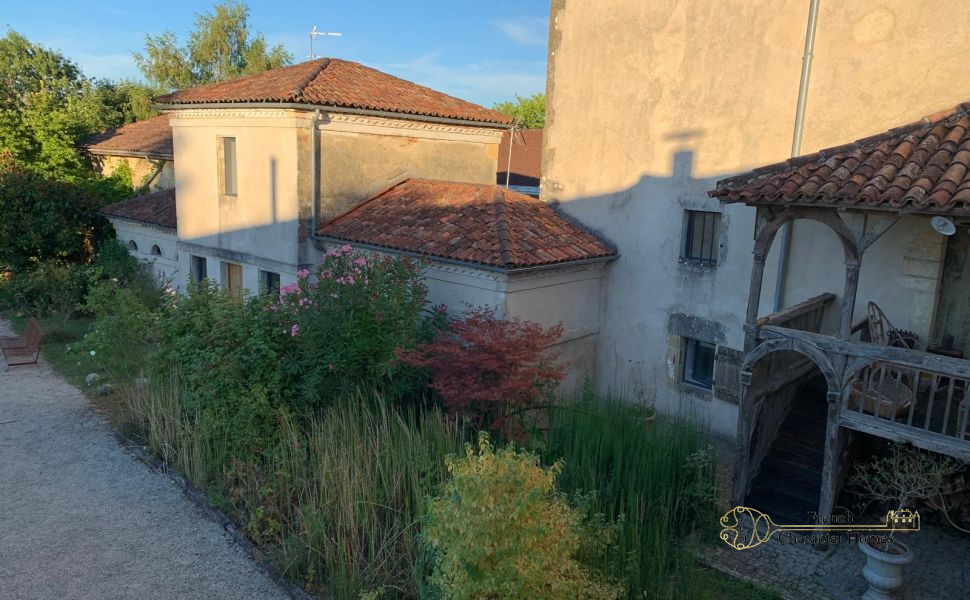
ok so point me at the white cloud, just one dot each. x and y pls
(482, 82)
(529, 31)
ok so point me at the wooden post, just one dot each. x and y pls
(834, 439)
(754, 301)
(849, 296)
(739, 489)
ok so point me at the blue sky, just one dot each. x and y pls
(480, 51)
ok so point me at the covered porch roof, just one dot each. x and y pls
(918, 168)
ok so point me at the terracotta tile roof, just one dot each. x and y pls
(475, 223)
(156, 209)
(526, 158)
(151, 136)
(335, 82)
(923, 167)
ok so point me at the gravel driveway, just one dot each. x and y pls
(82, 519)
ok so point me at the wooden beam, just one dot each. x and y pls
(797, 310)
(904, 357)
(776, 381)
(834, 441)
(899, 432)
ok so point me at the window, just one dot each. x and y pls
(700, 236)
(197, 267)
(698, 363)
(227, 166)
(156, 251)
(232, 279)
(132, 246)
(269, 282)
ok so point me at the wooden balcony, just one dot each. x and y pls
(894, 393)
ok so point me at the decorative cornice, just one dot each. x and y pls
(389, 126)
(241, 112)
(143, 225)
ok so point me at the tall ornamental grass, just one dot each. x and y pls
(656, 480)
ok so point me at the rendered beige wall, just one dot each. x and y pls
(359, 159)
(651, 103)
(141, 170)
(262, 220)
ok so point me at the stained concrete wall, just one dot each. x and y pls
(687, 92)
(901, 272)
(142, 169)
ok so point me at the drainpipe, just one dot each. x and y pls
(314, 175)
(796, 145)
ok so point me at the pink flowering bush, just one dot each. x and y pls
(345, 321)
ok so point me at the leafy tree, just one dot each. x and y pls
(219, 48)
(48, 107)
(527, 113)
(45, 219)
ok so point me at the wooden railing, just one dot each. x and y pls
(804, 316)
(895, 393)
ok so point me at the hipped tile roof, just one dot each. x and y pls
(156, 209)
(526, 167)
(923, 167)
(475, 223)
(152, 137)
(340, 83)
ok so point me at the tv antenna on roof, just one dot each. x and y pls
(314, 33)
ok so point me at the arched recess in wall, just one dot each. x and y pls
(156, 251)
(132, 246)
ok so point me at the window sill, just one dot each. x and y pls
(701, 393)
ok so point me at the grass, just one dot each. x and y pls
(338, 498)
(658, 481)
(60, 335)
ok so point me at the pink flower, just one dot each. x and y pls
(326, 274)
(360, 261)
(350, 280)
(346, 249)
(295, 330)
(289, 289)
(441, 309)
(302, 274)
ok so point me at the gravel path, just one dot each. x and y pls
(82, 519)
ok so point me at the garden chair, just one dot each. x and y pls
(23, 350)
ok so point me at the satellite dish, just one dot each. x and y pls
(943, 226)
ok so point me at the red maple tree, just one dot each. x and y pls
(485, 368)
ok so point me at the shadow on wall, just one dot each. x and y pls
(657, 298)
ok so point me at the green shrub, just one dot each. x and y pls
(126, 328)
(347, 320)
(500, 529)
(46, 220)
(48, 288)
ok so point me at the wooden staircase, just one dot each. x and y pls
(788, 483)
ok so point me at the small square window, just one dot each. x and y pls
(227, 166)
(701, 231)
(698, 363)
(269, 282)
(197, 268)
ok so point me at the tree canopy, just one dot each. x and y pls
(219, 48)
(49, 107)
(527, 112)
